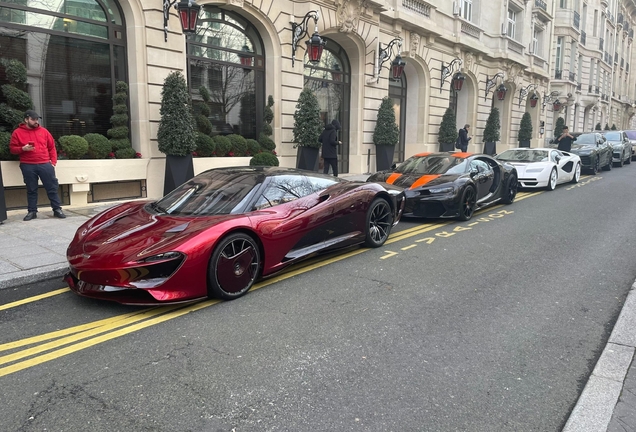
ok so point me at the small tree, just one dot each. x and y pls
(447, 128)
(17, 100)
(613, 126)
(606, 127)
(525, 128)
(598, 126)
(119, 133)
(493, 127)
(268, 116)
(176, 134)
(307, 123)
(558, 128)
(386, 130)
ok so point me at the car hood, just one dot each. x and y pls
(582, 148)
(413, 181)
(133, 233)
(522, 168)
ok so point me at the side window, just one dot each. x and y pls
(482, 166)
(318, 184)
(283, 189)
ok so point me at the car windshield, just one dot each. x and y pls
(586, 139)
(631, 134)
(438, 164)
(210, 194)
(524, 155)
(613, 136)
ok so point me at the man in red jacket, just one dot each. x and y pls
(38, 157)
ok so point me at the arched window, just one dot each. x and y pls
(226, 57)
(330, 79)
(74, 52)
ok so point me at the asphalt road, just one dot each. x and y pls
(488, 325)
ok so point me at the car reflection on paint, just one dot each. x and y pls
(216, 234)
(451, 185)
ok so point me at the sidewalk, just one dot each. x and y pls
(36, 250)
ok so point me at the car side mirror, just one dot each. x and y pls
(473, 172)
(557, 159)
(551, 141)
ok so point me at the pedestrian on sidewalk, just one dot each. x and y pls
(329, 140)
(464, 138)
(38, 157)
(565, 140)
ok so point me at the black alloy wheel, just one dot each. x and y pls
(467, 203)
(379, 223)
(596, 166)
(620, 161)
(234, 266)
(628, 161)
(511, 189)
(609, 165)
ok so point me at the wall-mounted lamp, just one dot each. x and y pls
(315, 43)
(458, 78)
(384, 54)
(491, 82)
(188, 15)
(523, 92)
(557, 105)
(548, 98)
(533, 100)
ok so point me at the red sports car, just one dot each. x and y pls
(219, 232)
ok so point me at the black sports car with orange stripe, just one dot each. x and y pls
(451, 185)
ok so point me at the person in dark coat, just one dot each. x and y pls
(565, 140)
(329, 141)
(464, 138)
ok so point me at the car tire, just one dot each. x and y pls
(595, 166)
(552, 180)
(234, 266)
(609, 165)
(467, 203)
(628, 161)
(620, 162)
(511, 189)
(379, 223)
(577, 174)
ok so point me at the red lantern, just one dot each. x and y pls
(458, 81)
(315, 46)
(246, 59)
(533, 100)
(501, 92)
(556, 106)
(397, 68)
(188, 15)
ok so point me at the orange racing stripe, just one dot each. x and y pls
(423, 154)
(423, 180)
(393, 177)
(462, 154)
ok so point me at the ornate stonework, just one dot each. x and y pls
(469, 60)
(348, 14)
(238, 3)
(415, 43)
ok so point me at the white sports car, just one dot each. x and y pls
(543, 167)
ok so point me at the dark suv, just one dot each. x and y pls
(593, 149)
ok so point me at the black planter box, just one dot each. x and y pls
(490, 148)
(307, 158)
(384, 157)
(524, 143)
(446, 147)
(179, 169)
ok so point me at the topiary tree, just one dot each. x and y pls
(558, 128)
(613, 126)
(202, 112)
(606, 127)
(447, 134)
(223, 145)
(268, 116)
(492, 132)
(307, 123)
(598, 126)
(525, 128)
(239, 145)
(5, 153)
(98, 146)
(205, 145)
(264, 159)
(120, 134)
(125, 153)
(17, 99)
(73, 146)
(386, 131)
(177, 133)
(253, 147)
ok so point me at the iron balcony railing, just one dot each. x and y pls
(572, 76)
(622, 62)
(589, 88)
(578, 86)
(600, 44)
(583, 37)
(596, 90)
(558, 73)
(541, 5)
(577, 19)
(631, 33)
(619, 20)
(615, 57)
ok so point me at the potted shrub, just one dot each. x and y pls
(525, 130)
(307, 130)
(266, 143)
(120, 134)
(177, 131)
(558, 128)
(447, 134)
(492, 132)
(264, 159)
(598, 126)
(386, 135)
(98, 146)
(606, 127)
(613, 126)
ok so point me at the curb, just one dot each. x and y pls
(594, 409)
(39, 274)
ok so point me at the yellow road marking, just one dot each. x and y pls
(409, 247)
(32, 299)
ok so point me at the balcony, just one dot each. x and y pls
(572, 77)
(615, 57)
(558, 73)
(577, 19)
(418, 7)
(622, 63)
(541, 9)
(589, 88)
(578, 86)
(596, 90)
(541, 5)
(619, 19)
(600, 44)
(583, 37)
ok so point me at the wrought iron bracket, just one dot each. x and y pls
(548, 98)
(299, 31)
(523, 92)
(384, 55)
(491, 82)
(448, 71)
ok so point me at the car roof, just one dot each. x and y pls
(460, 155)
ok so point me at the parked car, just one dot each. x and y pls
(621, 146)
(631, 134)
(216, 234)
(451, 185)
(543, 167)
(593, 149)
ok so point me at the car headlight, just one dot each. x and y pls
(441, 190)
(534, 170)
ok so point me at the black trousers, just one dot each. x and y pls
(46, 173)
(333, 162)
